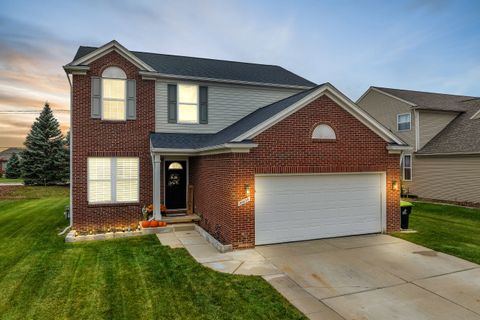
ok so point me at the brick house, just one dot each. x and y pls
(260, 154)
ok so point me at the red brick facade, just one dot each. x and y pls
(94, 137)
(287, 147)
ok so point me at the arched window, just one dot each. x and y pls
(114, 88)
(324, 132)
(175, 166)
(114, 73)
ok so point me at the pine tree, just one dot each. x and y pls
(13, 169)
(44, 159)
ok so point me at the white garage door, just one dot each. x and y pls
(302, 207)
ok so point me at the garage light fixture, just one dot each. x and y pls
(247, 189)
(394, 185)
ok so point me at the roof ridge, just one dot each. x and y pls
(427, 92)
(200, 58)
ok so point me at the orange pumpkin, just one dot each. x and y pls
(145, 224)
(163, 224)
(154, 223)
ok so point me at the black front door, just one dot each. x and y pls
(175, 185)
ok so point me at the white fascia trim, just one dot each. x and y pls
(107, 48)
(476, 115)
(221, 148)
(338, 97)
(81, 70)
(155, 75)
(389, 95)
(448, 154)
(397, 149)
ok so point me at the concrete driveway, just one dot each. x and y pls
(361, 277)
(375, 277)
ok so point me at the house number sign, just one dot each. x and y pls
(243, 201)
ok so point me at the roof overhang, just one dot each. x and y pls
(148, 75)
(385, 93)
(217, 149)
(397, 149)
(334, 94)
(103, 50)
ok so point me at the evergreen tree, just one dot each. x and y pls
(44, 159)
(13, 169)
(66, 147)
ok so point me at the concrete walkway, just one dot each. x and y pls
(361, 277)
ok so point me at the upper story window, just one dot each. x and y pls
(324, 132)
(114, 89)
(187, 107)
(404, 121)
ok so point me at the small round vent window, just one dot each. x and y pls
(324, 132)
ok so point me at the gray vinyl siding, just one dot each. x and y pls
(226, 105)
(431, 123)
(452, 178)
(385, 110)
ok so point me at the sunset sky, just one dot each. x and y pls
(430, 45)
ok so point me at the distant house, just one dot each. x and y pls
(444, 131)
(5, 156)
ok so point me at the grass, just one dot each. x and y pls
(449, 229)
(41, 277)
(6, 180)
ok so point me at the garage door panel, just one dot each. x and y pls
(328, 199)
(294, 208)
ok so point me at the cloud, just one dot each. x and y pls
(30, 75)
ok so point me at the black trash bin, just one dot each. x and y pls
(405, 210)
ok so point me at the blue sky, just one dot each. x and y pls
(431, 45)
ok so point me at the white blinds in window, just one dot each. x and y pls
(99, 180)
(113, 180)
(127, 179)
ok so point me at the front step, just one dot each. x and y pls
(189, 218)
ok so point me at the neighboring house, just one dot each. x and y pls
(5, 156)
(267, 156)
(444, 131)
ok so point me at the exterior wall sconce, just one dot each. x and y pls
(394, 185)
(247, 189)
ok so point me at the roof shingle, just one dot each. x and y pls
(214, 69)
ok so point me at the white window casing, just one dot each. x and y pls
(188, 104)
(113, 180)
(404, 122)
(324, 132)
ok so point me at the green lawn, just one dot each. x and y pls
(41, 277)
(450, 229)
(6, 180)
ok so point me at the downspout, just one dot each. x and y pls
(71, 148)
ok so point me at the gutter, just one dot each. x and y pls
(71, 149)
(472, 153)
(148, 75)
(221, 148)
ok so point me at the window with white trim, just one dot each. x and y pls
(407, 167)
(114, 88)
(324, 132)
(187, 106)
(113, 180)
(404, 122)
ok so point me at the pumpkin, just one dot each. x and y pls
(163, 224)
(145, 224)
(154, 223)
